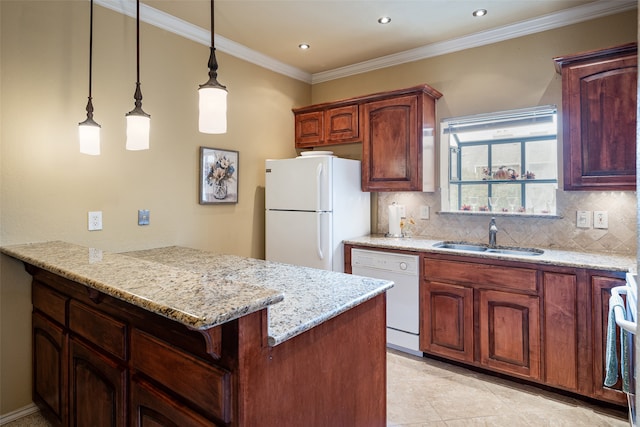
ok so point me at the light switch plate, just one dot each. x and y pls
(600, 219)
(424, 212)
(402, 211)
(583, 219)
(143, 217)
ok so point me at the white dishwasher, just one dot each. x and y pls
(403, 310)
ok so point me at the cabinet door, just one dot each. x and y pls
(599, 112)
(98, 387)
(342, 125)
(391, 149)
(309, 128)
(564, 327)
(447, 320)
(50, 369)
(509, 327)
(601, 288)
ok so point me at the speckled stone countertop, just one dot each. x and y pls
(201, 289)
(598, 261)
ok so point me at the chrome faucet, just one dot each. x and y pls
(493, 231)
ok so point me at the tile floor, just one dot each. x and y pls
(423, 392)
(426, 393)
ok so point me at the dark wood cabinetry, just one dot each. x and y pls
(447, 320)
(396, 129)
(542, 323)
(599, 91)
(327, 124)
(97, 385)
(486, 314)
(50, 369)
(508, 326)
(398, 139)
(601, 291)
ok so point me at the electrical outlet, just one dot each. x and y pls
(95, 221)
(583, 219)
(143, 217)
(402, 211)
(424, 212)
(600, 219)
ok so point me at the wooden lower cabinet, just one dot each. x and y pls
(601, 291)
(50, 369)
(97, 388)
(510, 333)
(447, 326)
(542, 323)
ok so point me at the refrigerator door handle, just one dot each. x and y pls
(319, 185)
(319, 236)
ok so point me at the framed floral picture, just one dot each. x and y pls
(218, 176)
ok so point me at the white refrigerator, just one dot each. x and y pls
(313, 203)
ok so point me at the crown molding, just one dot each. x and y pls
(551, 21)
(180, 27)
(197, 34)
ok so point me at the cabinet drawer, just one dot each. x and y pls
(50, 302)
(105, 331)
(522, 279)
(206, 386)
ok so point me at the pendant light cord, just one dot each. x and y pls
(90, 47)
(138, 42)
(212, 23)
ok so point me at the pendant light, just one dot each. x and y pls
(213, 96)
(138, 122)
(89, 130)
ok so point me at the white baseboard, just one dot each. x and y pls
(18, 413)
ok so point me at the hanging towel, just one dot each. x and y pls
(612, 352)
(624, 359)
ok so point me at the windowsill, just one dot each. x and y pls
(501, 214)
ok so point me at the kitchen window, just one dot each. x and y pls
(504, 162)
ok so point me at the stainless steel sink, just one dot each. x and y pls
(461, 246)
(477, 247)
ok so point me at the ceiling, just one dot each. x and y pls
(345, 34)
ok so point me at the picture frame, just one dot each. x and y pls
(219, 170)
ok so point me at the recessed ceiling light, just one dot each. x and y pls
(479, 12)
(384, 20)
(304, 46)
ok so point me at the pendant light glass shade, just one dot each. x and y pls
(138, 127)
(213, 95)
(89, 130)
(213, 110)
(138, 122)
(89, 136)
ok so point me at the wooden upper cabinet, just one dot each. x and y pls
(396, 129)
(327, 125)
(599, 91)
(398, 141)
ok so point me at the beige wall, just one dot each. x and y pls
(48, 186)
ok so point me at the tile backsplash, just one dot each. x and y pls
(558, 232)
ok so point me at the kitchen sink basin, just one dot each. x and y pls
(461, 246)
(477, 247)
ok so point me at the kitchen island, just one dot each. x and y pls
(178, 336)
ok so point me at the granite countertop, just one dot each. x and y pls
(201, 289)
(598, 261)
